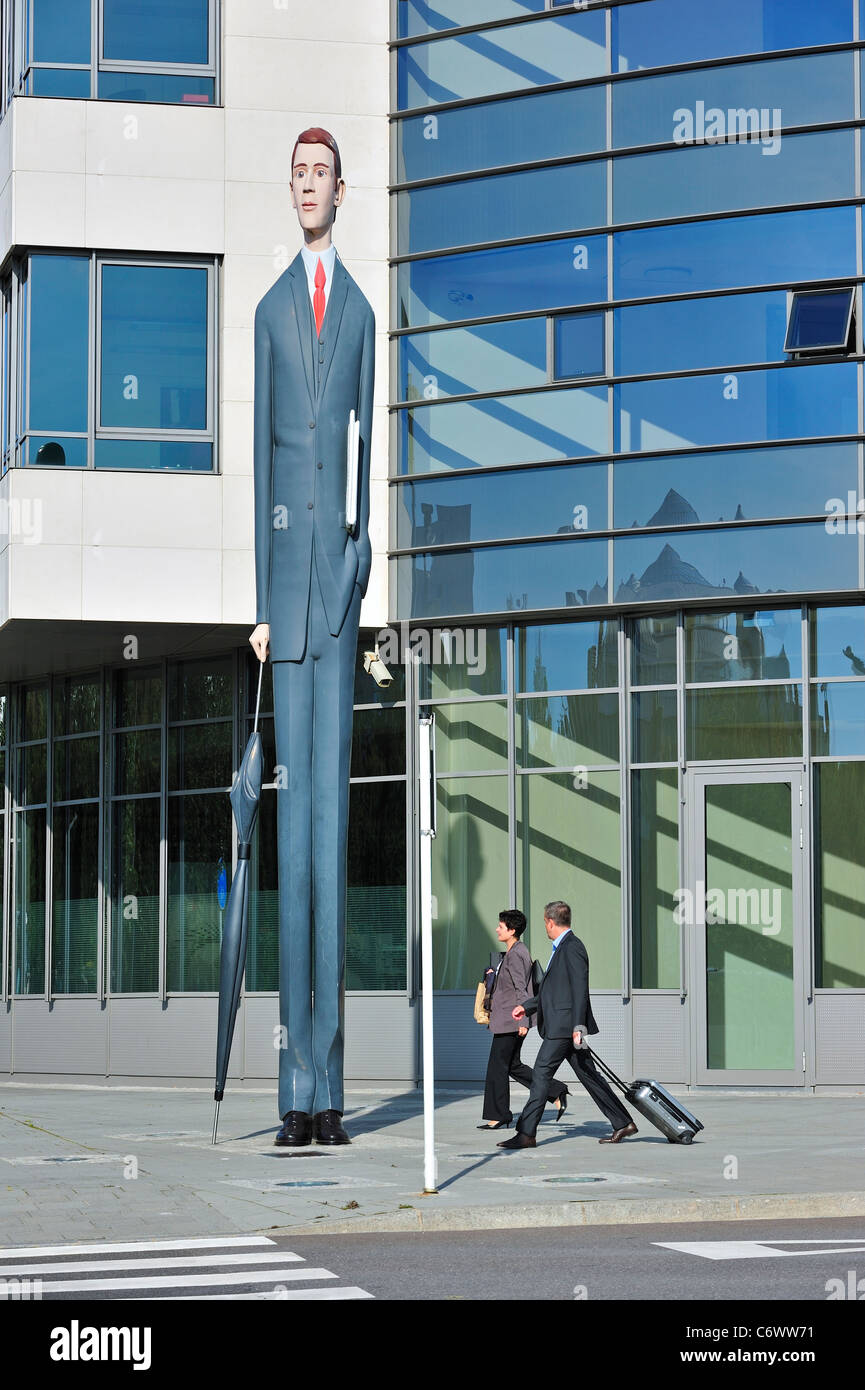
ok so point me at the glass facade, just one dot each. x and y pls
(143, 397)
(627, 366)
(121, 50)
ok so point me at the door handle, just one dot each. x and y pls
(714, 969)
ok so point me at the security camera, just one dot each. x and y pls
(375, 667)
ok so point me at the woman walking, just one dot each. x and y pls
(513, 984)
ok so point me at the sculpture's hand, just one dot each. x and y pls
(260, 640)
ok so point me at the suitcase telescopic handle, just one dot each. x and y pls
(607, 1071)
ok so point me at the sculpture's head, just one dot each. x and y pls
(317, 185)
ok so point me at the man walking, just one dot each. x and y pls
(564, 1019)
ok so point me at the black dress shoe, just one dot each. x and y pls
(328, 1128)
(619, 1134)
(519, 1141)
(497, 1124)
(563, 1105)
(296, 1129)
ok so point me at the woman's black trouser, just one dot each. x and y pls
(505, 1063)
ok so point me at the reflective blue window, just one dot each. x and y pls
(738, 563)
(59, 82)
(156, 86)
(561, 49)
(784, 403)
(506, 280)
(691, 333)
(45, 452)
(758, 99)
(489, 357)
(532, 428)
(535, 202)
(155, 31)
(61, 31)
(767, 645)
(547, 126)
(420, 17)
(838, 720)
(572, 656)
(508, 505)
(714, 178)
(837, 641)
(659, 32)
(154, 347)
(775, 248)
(745, 484)
(819, 319)
(59, 294)
(502, 579)
(183, 456)
(579, 345)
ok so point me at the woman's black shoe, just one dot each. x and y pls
(500, 1124)
(563, 1105)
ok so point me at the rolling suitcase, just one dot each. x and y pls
(661, 1109)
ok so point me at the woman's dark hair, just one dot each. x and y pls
(514, 920)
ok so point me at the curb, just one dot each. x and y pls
(621, 1211)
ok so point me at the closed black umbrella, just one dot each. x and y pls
(245, 795)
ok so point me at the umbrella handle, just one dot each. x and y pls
(258, 696)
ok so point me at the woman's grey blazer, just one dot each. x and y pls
(513, 984)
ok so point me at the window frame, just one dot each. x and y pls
(818, 349)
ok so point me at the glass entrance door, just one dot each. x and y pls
(746, 926)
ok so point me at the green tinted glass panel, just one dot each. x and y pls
(567, 656)
(839, 888)
(653, 727)
(33, 707)
(2, 720)
(568, 847)
(30, 848)
(76, 704)
(137, 698)
(472, 737)
(655, 841)
(568, 730)
(749, 927)
(75, 925)
(378, 742)
(262, 953)
(76, 768)
(653, 651)
(137, 762)
(199, 835)
(200, 689)
(469, 875)
(375, 953)
(762, 722)
(743, 646)
(32, 774)
(135, 897)
(837, 641)
(470, 662)
(199, 755)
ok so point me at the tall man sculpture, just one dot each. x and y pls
(314, 345)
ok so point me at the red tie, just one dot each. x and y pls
(318, 297)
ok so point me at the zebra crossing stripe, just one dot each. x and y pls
(159, 1262)
(179, 1281)
(32, 1252)
(281, 1295)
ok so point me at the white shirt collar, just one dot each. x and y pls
(310, 263)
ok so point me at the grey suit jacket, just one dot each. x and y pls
(305, 389)
(513, 979)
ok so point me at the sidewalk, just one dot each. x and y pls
(95, 1163)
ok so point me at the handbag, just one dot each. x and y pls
(482, 1012)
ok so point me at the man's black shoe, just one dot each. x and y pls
(296, 1129)
(519, 1141)
(328, 1128)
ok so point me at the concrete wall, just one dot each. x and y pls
(214, 181)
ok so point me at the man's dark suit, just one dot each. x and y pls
(562, 1005)
(311, 574)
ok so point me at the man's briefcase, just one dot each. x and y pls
(656, 1105)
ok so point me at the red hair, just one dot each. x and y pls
(316, 136)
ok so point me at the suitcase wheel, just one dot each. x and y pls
(687, 1139)
(671, 1141)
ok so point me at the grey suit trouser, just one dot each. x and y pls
(552, 1052)
(313, 701)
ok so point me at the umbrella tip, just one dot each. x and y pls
(215, 1123)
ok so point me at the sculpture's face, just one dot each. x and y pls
(315, 191)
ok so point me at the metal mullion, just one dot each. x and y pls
(510, 681)
(465, 700)
(153, 68)
(625, 874)
(739, 685)
(838, 758)
(683, 809)
(559, 771)
(579, 690)
(365, 781)
(464, 773)
(163, 840)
